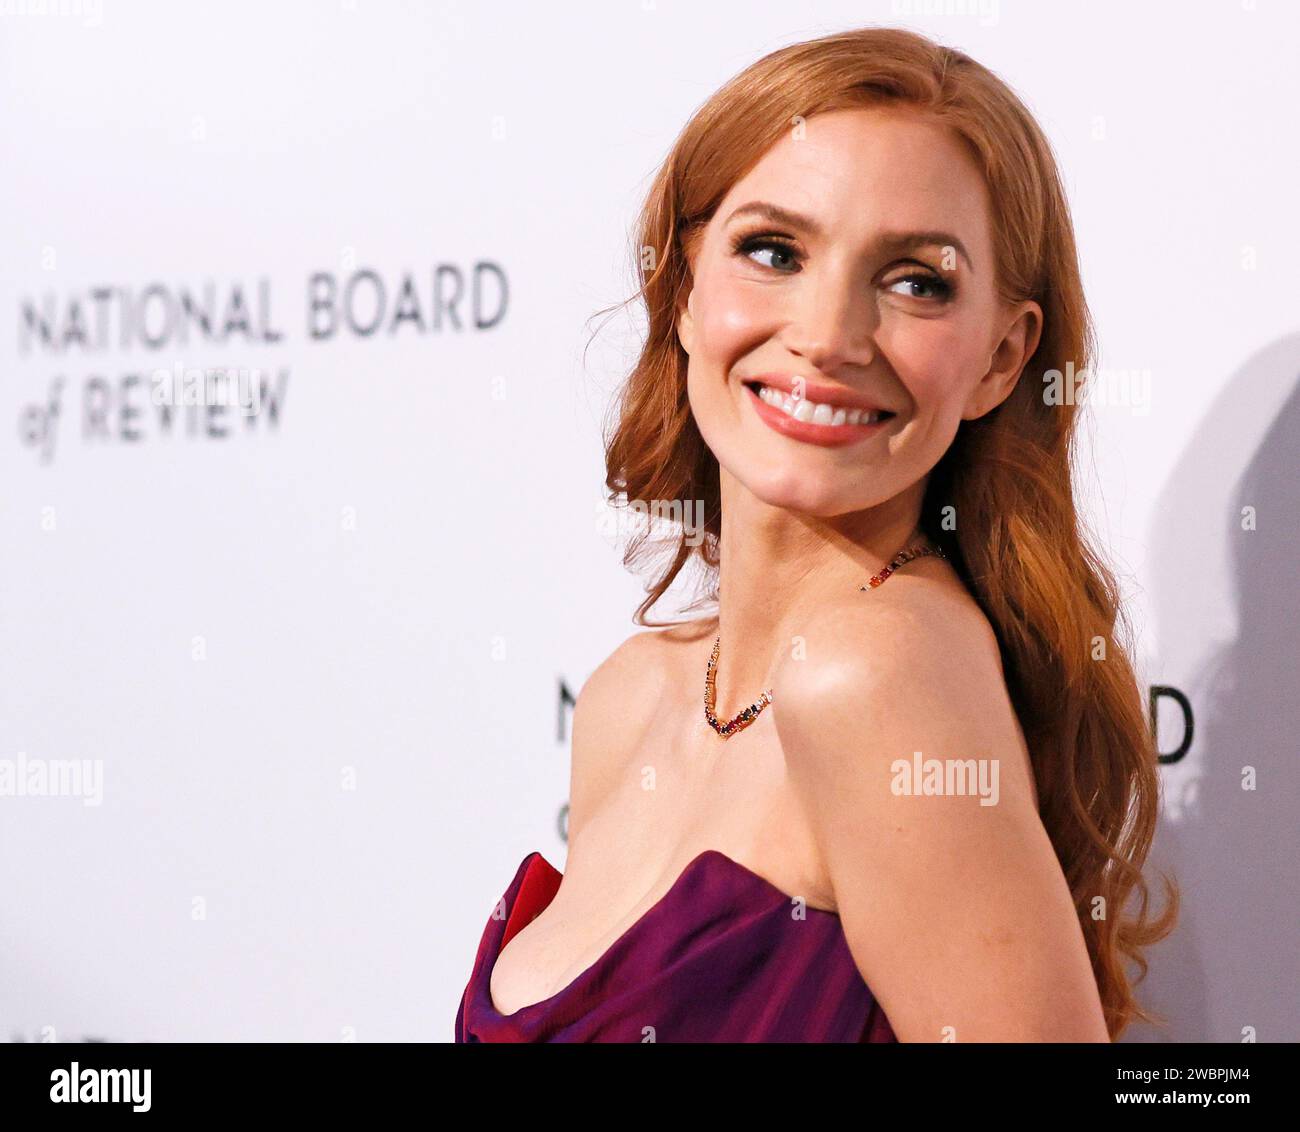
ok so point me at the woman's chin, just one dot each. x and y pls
(818, 496)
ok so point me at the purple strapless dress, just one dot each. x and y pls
(720, 957)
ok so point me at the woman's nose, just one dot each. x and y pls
(832, 321)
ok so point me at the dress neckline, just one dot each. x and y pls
(714, 857)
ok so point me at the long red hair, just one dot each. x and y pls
(1018, 543)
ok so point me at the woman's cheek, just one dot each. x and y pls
(733, 316)
(932, 360)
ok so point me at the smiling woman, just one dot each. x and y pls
(864, 268)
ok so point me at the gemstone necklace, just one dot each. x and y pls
(746, 717)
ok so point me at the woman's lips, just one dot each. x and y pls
(829, 435)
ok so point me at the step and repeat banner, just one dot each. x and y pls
(304, 549)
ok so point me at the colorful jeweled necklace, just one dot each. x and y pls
(746, 717)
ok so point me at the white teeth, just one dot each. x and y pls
(814, 413)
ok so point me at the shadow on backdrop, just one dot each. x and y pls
(1225, 603)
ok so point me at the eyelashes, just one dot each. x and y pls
(745, 244)
(943, 289)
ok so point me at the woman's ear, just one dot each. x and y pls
(691, 239)
(1008, 360)
(686, 323)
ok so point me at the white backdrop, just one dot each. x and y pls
(317, 662)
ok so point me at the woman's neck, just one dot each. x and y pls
(776, 567)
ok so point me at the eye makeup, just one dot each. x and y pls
(746, 243)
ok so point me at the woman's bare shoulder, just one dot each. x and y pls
(916, 653)
(899, 734)
(643, 663)
(620, 699)
(915, 623)
(916, 658)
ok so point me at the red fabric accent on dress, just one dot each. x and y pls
(541, 882)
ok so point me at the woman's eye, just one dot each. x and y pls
(938, 288)
(783, 257)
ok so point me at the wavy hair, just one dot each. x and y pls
(1018, 545)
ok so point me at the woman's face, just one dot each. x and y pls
(851, 273)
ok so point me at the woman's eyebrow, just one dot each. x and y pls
(889, 243)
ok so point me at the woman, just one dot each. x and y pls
(914, 811)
